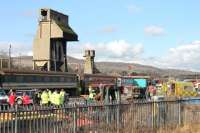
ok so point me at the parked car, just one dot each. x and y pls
(19, 96)
(3, 97)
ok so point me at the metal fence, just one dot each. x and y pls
(97, 118)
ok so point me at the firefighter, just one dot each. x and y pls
(35, 97)
(39, 97)
(49, 95)
(49, 92)
(91, 93)
(51, 98)
(62, 96)
(56, 98)
(44, 98)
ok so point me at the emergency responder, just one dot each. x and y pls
(49, 92)
(37, 97)
(62, 97)
(50, 96)
(91, 93)
(56, 98)
(44, 98)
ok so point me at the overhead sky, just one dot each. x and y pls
(160, 33)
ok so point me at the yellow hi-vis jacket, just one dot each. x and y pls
(92, 94)
(50, 97)
(49, 93)
(44, 98)
(56, 98)
(62, 97)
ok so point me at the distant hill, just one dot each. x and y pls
(109, 67)
(120, 68)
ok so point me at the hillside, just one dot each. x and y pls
(108, 67)
(120, 67)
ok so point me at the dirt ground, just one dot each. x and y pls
(185, 129)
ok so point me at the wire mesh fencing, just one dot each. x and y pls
(98, 117)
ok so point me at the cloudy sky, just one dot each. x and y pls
(160, 33)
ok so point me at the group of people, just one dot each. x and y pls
(49, 98)
(100, 93)
(45, 97)
(25, 99)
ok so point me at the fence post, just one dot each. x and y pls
(74, 118)
(118, 116)
(107, 106)
(16, 119)
(179, 112)
(153, 114)
(119, 110)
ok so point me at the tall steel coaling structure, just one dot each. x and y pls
(50, 42)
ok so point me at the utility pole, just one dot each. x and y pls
(20, 60)
(196, 76)
(10, 57)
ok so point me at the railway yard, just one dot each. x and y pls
(49, 99)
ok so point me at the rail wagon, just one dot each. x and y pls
(11, 79)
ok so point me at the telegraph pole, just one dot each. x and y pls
(10, 57)
(20, 60)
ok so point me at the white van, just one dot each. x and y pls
(3, 97)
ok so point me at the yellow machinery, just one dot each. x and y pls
(180, 89)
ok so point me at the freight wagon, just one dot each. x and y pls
(38, 80)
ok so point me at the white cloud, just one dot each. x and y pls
(182, 57)
(185, 56)
(16, 48)
(154, 30)
(110, 51)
